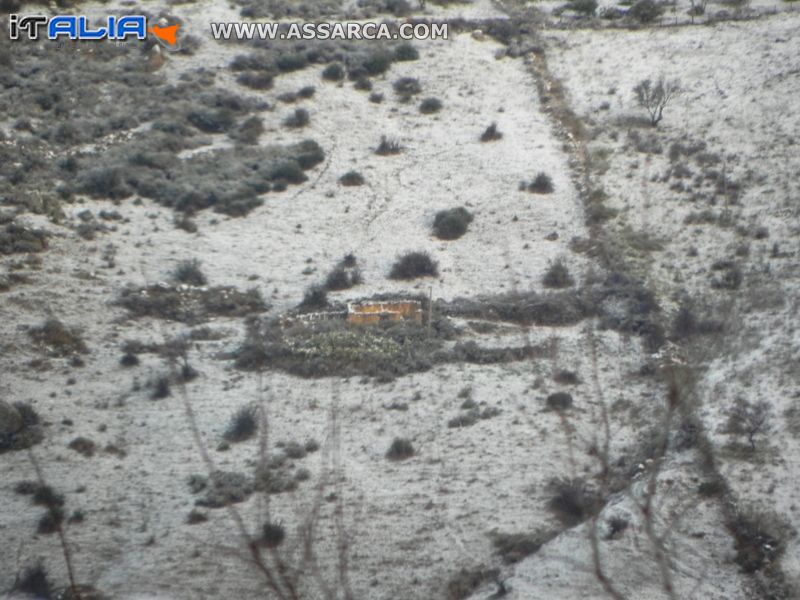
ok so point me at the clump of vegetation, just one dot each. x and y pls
(344, 276)
(33, 581)
(224, 488)
(161, 388)
(243, 424)
(729, 275)
(299, 118)
(19, 426)
(572, 500)
(189, 272)
(351, 179)
(491, 134)
(583, 7)
(559, 401)
(646, 11)
(541, 184)
(654, 97)
(15, 238)
(686, 324)
(451, 224)
(333, 72)
(376, 97)
(430, 105)
(406, 87)
(557, 276)
(749, 420)
(466, 581)
(400, 449)
(248, 132)
(57, 339)
(229, 180)
(314, 299)
(565, 377)
(388, 147)
(760, 539)
(83, 445)
(256, 80)
(405, 52)
(192, 305)
(412, 265)
(513, 547)
(272, 534)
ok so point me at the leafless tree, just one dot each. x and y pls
(749, 419)
(654, 97)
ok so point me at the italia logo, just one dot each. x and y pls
(77, 27)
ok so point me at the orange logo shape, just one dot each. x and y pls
(168, 35)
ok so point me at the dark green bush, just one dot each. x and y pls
(400, 449)
(333, 72)
(414, 264)
(406, 87)
(352, 178)
(557, 276)
(243, 425)
(299, 118)
(451, 224)
(430, 106)
(541, 184)
(256, 80)
(406, 51)
(646, 11)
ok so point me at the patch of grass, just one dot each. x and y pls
(57, 339)
(388, 147)
(412, 265)
(451, 224)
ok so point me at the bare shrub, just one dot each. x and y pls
(654, 98)
(572, 500)
(189, 272)
(749, 419)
